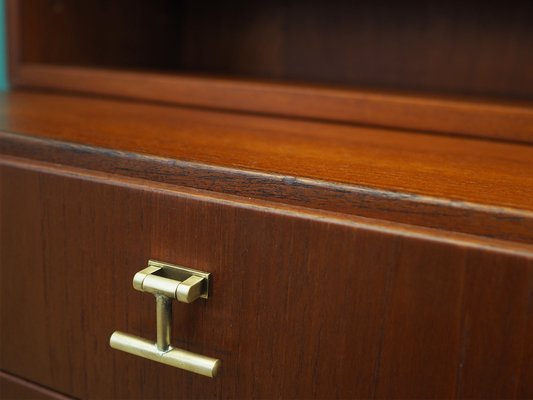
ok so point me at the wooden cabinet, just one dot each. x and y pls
(356, 178)
(303, 304)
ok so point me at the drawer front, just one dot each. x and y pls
(302, 305)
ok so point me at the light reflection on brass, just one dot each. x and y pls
(168, 282)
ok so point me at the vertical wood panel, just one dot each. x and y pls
(421, 327)
(493, 327)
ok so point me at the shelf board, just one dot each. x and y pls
(463, 116)
(459, 184)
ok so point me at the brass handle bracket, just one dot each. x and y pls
(168, 282)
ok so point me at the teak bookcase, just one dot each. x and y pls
(355, 177)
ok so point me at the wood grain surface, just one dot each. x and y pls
(305, 303)
(450, 47)
(478, 117)
(463, 185)
(15, 388)
(360, 62)
(357, 178)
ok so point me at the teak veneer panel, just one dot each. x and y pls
(465, 185)
(15, 388)
(395, 65)
(452, 47)
(304, 304)
(496, 119)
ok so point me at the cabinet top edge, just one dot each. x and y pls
(464, 185)
(388, 227)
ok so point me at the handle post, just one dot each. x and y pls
(163, 315)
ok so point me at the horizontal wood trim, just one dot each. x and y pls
(491, 173)
(458, 216)
(482, 118)
(267, 206)
(271, 207)
(15, 388)
(471, 186)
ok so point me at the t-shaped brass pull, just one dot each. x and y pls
(168, 282)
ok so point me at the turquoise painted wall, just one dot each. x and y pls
(4, 85)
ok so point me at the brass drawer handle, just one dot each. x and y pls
(168, 282)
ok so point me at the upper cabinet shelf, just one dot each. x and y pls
(460, 184)
(459, 68)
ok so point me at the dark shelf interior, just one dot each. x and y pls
(466, 48)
